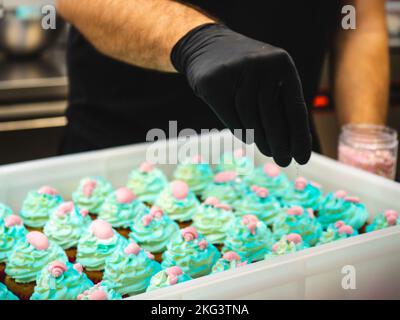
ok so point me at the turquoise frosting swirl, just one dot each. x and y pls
(230, 192)
(333, 209)
(66, 230)
(265, 209)
(197, 175)
(188, 255)
(5, 211)
(9, 236)
(178, 209)
(93, 252)
(37, 208)
(147, 185)
(251, 247)
(6, 294)
(213, 222)
(332, 234)
(25, 262)
(310, 197)
(305, 225)
(67, 286)
(120, 214)
(155, 236)
(380, 222)
(130, 273)
(103, 286)
(93, 202)
(242, 165)
(160, 280)
(224, 265)
(284, 246)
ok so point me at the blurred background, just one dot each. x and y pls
(33, 84)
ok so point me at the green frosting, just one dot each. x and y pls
(5, 211)
(130, 273)
(120, 215)
(5, 294)
(380, 222)
(93, 252)
(178, 209)
(197, 175)
(190, 256)
(155, 236)
(25, 262)
(67, 229)
(66, 286)
(335, 209)
(161, 280)
(265, 209)
(310, 197)
(332, 234)
(230, 192)
(93, 202)
(242, 165)
(224, 265)
(284, 246)
(104, 287)
(37, 208)
(9, 236)
(213, 222)
(147, 185)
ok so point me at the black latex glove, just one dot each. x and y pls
(249, 85)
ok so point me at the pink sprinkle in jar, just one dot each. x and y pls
(369, 147)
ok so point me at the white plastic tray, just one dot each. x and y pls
(314, 273)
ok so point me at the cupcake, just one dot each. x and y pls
(248, 237)
(197, 174)
(190, 251)
(147, 182)
(11, 231)
(130, 269)
(120, 208)
(384, 220)
(98, 242)
(303, 193)
(287, 244)
(227, 188)
(270, 177)
(213, 220)
(236, 161)
(179, 202)
(337, 231)
(230, 260)
(5, 211)
(6, 294)
(38, 206)
(168, 277)
(340, 207)
(91, 193)
(100, 291)
(27, 259)
(300, 221)
(260, 203)
(61, 281)
(66, 226)
(153, 231)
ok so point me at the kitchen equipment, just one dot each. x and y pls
(374, 258)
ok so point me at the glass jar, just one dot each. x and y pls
(369, 147)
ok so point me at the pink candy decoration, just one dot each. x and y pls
(197, 159)
(88, 187)
(346, 229)
(203, 244)
(180, 189)
(211, 201)
(262, 192)
(38, 240)
(147, 219)
(102, 229)
(223, 206)
(12, 220)
(310, 213)
(48, 190)
(231, 256)
(393, 213)
(275, 247)
(294, 237)
(295, 211)
(340, 194)
(272, 170)
(57, 268)
(146, 167)
(150, 255)
(98, 295)
(300, 183)
(238, 153)
(156, 212)
(65, 208)
(251, 221)
(339, 224)
(124, 195)
(173, 274)
(189, 233)
(352, 199)
(225, 176)
(78, 267)
(132, 248)
(84, 212)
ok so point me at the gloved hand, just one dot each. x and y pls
(249, 85)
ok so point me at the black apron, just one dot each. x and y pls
(111, 103)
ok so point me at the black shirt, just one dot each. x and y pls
(112, 103)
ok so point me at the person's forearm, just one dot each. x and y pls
(138, 32)
(361, 67)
